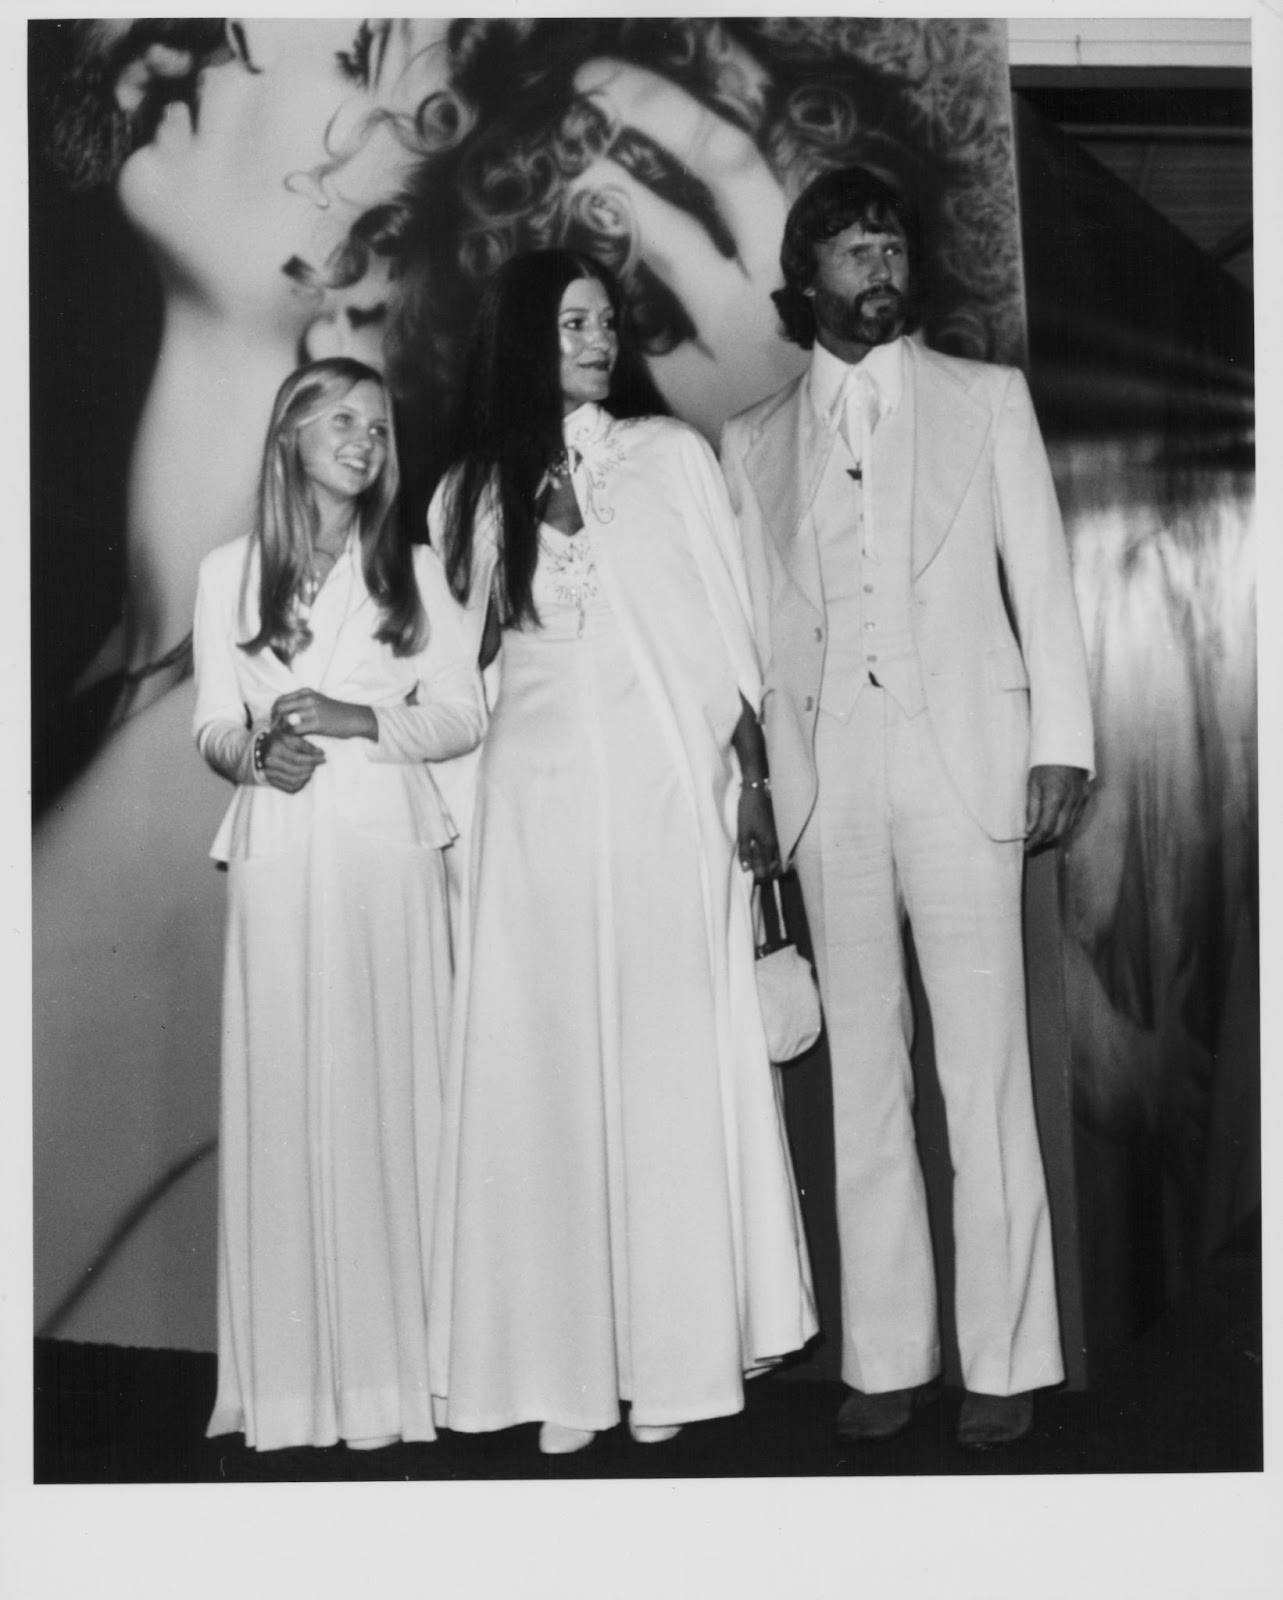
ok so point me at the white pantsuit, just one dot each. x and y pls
(906, 701)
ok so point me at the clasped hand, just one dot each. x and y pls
(289, 756)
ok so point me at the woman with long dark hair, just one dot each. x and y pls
(331, 665)
(617, 1219)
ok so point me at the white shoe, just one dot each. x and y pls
(648, 1435)
(555, 1439)
(373, 1441)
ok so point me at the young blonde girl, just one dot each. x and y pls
(331, 667)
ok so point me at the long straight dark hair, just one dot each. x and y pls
(286, 520)
(508, 425)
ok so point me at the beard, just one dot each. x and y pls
(875, 317)
(88, 135)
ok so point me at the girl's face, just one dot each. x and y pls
(589, 343)
(227, 191)
(345, 448)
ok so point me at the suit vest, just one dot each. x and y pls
(867, 598)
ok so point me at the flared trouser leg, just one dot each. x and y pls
(889, 840)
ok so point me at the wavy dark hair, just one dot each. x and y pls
(507, 428)
(835, 201)
(286, 520)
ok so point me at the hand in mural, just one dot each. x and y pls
(697, 193)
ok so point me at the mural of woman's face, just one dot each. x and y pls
(233, 185)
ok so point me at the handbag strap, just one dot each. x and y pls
(775, 935)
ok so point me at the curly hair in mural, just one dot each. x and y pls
(544, 157)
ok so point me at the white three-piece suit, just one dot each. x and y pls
(921, 648)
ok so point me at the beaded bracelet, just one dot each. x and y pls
(259, 749)
(764, 784)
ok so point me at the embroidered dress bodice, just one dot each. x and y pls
(566, 584)
(582, 1220)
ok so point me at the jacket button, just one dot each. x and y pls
(809, 703)
(819, 633)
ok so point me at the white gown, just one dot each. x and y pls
(617, 1218)
(335, 1015)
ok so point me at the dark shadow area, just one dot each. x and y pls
(1141, 366)
(1186, 1399)
(95, 318)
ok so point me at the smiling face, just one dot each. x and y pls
(860, 287)
(270, 153)
(588, 341)
(344, 448)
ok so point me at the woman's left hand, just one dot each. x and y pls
(759, 847)
(307, 712)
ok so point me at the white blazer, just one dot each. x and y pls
(428, 706)
(962, 465)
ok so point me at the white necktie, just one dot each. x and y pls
(860, 412)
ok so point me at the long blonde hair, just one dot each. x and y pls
(286, 520)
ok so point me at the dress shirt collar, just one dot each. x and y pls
(826, 381)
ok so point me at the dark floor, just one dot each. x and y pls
(1186, 1399)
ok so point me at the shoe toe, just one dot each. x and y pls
(990, 1420)
(865, 1417)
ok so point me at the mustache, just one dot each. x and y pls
(868, 296)
(88, 134)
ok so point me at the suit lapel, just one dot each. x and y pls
(892, 481)
(950, 429)
(785, 464)
(354, 631)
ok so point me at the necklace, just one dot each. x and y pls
(561, 466)
(318, 672)
(320, 563)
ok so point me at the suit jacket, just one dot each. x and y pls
(961, 464)
(428, 706)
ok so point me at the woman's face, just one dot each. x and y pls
(227, 189)
(589, 343)
(345, 448)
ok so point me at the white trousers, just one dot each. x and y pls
(891, 839)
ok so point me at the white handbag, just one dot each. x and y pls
(786, 992)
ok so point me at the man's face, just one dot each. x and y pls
(861, 285)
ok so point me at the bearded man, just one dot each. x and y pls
(928, 723)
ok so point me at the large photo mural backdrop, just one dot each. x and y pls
(212, 202)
